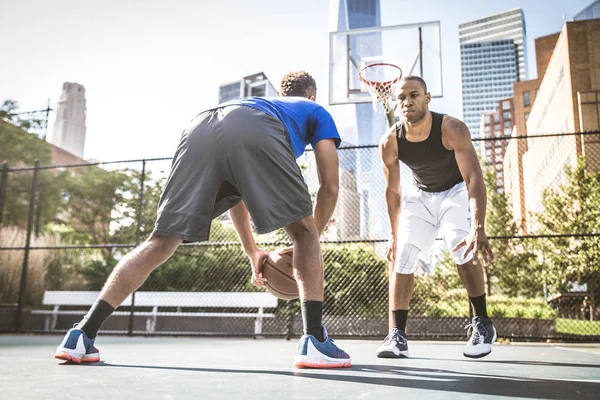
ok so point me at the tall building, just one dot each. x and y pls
(69, 127)
(568, 100)
(344, 226)
(495, 126)
(252, 85)
(493, 54)
(590, 12)
(525, 93)
(370, 125)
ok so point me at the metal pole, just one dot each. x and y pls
(23, 286)
(48, 109)
(3, 180)
(421, 52)
(38, 211)
(137, 238)
(140, 204)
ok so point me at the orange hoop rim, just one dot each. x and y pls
(382, 83)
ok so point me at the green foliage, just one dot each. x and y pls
(22, 148)
(125, 214)
(515, 270)
(90, 196)
(577, 327)
(574, 207)
(356, 281)
(203, 268)
(8, 113)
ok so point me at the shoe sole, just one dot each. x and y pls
(307, 364)
(65, 356)
(476, 355)
(391, 354)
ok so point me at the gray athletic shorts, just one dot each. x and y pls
(226, 155)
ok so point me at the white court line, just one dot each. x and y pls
(595, 351)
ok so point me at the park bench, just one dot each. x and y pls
(156, 300)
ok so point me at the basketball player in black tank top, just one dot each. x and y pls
(449, 194)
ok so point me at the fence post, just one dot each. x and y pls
(290, 321)
(38, 211)
(137, 239)
(23, 286)
(3, 180)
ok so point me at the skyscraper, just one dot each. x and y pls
(252, 85)
(590, 12)
(356, 14)
(493, 56)
(69, 127)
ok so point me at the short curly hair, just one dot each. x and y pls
(299, 83)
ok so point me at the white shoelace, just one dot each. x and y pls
(477, 330)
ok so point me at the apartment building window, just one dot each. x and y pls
(526, 99)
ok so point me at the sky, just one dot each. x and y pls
(150, 66)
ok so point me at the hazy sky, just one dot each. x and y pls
(150, 66)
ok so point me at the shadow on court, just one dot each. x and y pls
(424, 378)
(513, 362)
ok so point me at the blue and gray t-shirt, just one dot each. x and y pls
(306, 121)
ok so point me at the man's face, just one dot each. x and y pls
(413, 101)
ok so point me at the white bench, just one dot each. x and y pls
(257, 300)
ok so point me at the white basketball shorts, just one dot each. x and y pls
(423, 216)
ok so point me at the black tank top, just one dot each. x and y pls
(434, 167)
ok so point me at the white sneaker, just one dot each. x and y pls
(395, 345)
(483, 335)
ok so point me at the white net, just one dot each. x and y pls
(381, 80)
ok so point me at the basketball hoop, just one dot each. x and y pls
(380, 80)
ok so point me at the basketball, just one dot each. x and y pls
(279, 272)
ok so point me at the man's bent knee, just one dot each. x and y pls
(406, 259)
(304, 229)
(164, 244)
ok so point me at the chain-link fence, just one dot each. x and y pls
(64, 227)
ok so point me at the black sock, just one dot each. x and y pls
(94, 319)
(312, 317)
(400, 317)
(479, 306)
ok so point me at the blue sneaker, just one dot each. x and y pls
(314, 354)
(77, 347)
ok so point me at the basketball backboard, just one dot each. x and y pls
(415, 48)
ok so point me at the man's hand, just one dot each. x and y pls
(257, 258)
(390, 250)
(477, 241)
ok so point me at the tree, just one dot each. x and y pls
(8, 113)
(573, 208)
(20, 148)
(515, 268)
(90, 197)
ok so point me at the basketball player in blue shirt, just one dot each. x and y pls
(241, 157)
(448, 195)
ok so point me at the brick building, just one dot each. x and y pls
(565, 98)
(495, 126)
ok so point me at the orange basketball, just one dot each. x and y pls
(278, 270)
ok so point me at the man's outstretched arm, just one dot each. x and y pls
(468, 164)
(328, 170)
